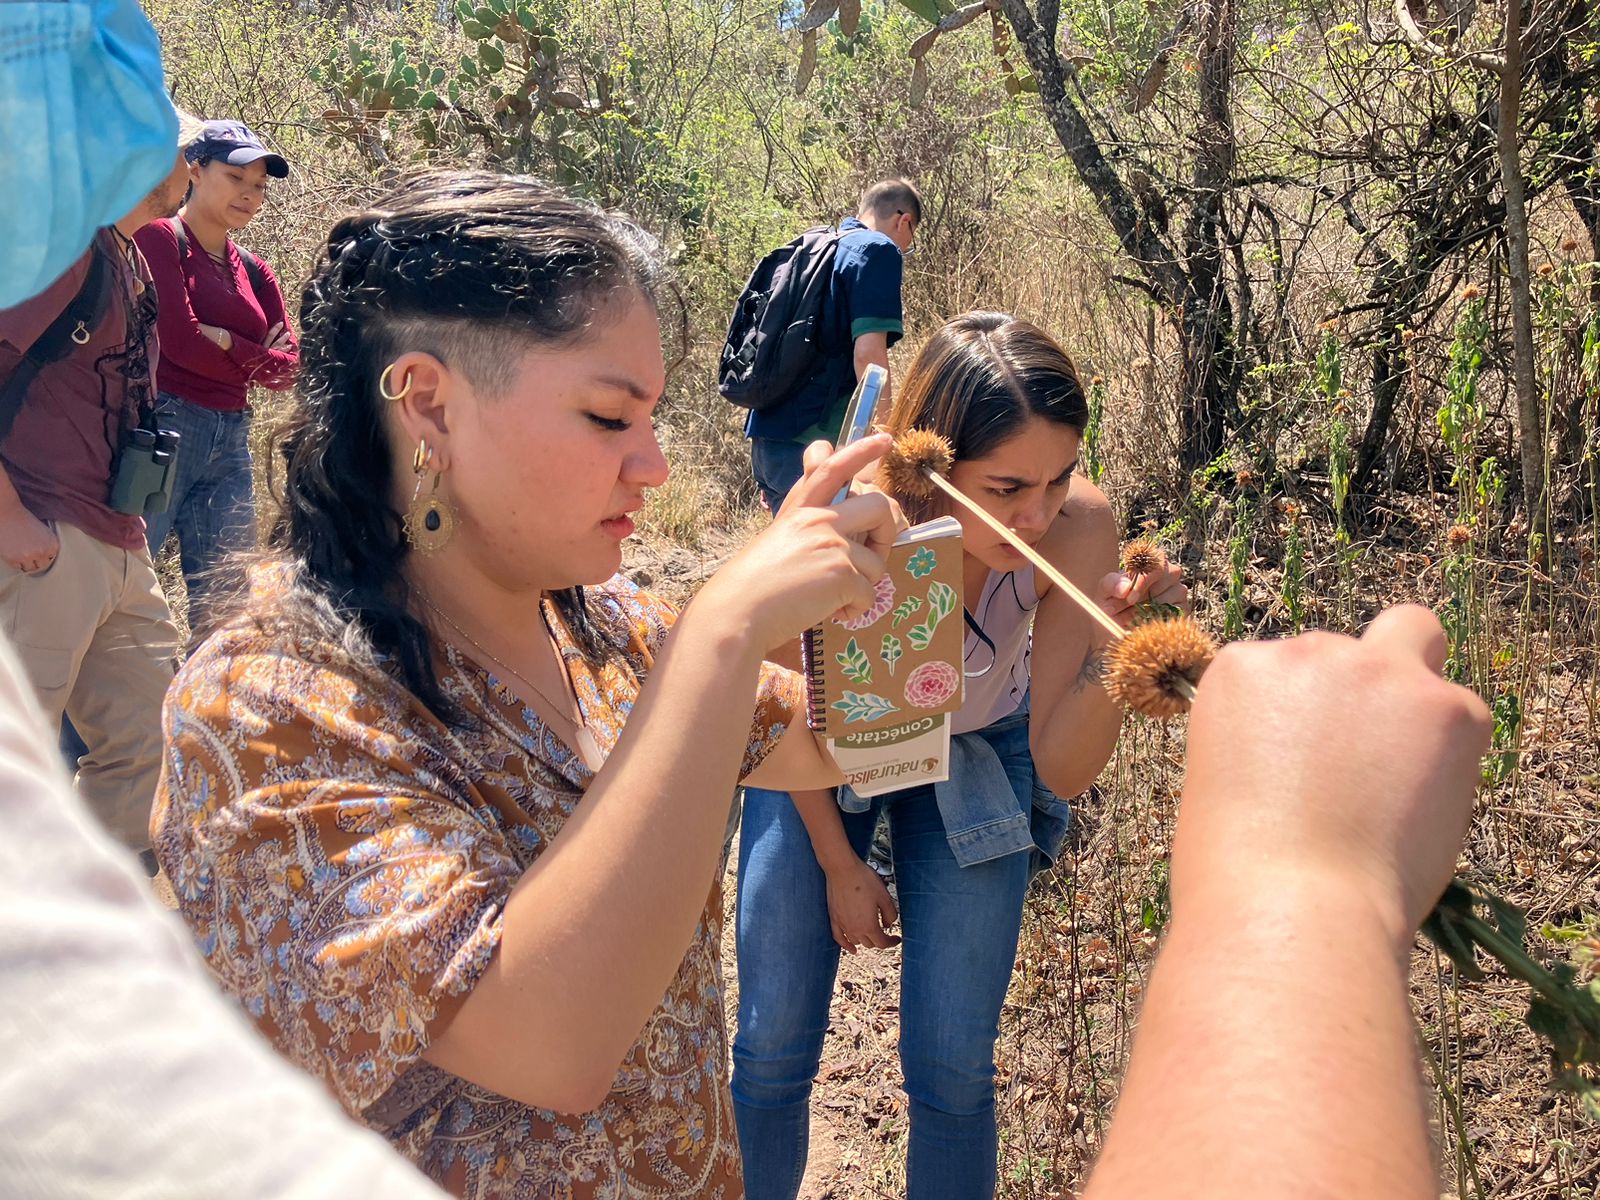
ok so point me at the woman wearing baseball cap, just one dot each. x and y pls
(224, 328)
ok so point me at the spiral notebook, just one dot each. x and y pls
(881, 687)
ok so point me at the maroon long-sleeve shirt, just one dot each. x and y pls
(195, 290)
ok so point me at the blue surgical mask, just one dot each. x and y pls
(86, 131)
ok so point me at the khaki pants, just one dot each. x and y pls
(95, 637)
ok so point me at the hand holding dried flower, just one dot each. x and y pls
(1147, 578)
(1351, 762)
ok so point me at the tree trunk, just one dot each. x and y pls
(1210, 354)
(1530, 416)
(1202, 313)
(1388, 373)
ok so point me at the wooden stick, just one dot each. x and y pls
(1038, 560)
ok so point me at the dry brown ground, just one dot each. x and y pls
(1089, 934)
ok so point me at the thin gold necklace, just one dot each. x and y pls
(583, 741)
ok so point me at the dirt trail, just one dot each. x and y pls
(858, 1110)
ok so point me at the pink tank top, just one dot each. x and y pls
(1004, 611)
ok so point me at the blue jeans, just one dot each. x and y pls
(960, 928)
(777, 466)
(213, 506)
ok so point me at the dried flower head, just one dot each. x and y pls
(1096, 380)
(1341, 409)
(1142, 557)
(1290, 510)
(1244, 477)
(1459, 538)
(1328, 326)
(1144, 669)
(1547, 269)
(1408, 335)
(905, 467)
(1569, 243)
(1471, 292)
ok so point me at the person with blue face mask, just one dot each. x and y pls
(81, 461)
(89, 72)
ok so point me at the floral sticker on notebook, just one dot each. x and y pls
(923, 562)
(863, 706)
(882, 602)
(891, 651)
(931, 684)
(941, 603)
(853, 659)
(909, 607)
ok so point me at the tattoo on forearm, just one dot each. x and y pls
(1092, 670)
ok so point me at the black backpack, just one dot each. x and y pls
(773, 341)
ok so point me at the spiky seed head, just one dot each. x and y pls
(1142, 557)
(1471, 292)
(1408, 335)
(904, 471)
(1244, 477)
(1569, 244)
(1459, 538)
(1547, 269)
(1143, 669)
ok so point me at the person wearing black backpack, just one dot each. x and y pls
(815, 314)
(224, 329)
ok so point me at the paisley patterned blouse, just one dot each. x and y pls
(344, 860)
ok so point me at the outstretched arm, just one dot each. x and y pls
(1275, 1054)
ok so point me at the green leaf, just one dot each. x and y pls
(926, 9)
(905, 610)
(857, 666)
(941, 601)
(475, 30)
(464, 9)
(489, 54)
(891, 652)
(863, 706)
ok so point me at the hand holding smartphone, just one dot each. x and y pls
(858, 417)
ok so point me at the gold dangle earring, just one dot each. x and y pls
(430, 521)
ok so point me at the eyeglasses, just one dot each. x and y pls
(909, 249)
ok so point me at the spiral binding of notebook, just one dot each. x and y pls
(816, 695)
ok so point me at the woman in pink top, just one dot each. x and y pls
(224, 329)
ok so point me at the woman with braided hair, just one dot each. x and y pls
(443, 804)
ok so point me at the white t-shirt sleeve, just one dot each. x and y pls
(124, 1073)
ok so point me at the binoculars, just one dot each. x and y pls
(147, 466)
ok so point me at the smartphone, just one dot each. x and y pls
(858, 417)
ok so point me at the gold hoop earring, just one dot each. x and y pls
(383, 386)
(430, 521)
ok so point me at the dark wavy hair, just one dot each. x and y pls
(464, 266)
(978, 380)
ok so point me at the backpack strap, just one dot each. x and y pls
(82, 313)
(254, 269)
